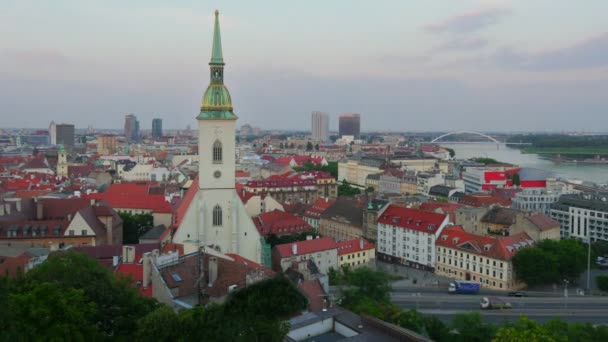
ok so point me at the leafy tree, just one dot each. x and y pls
(602, 282)
(345, 189)
(524, 330)
(563, 331)
(117, 304)
(516, 180)
(535, 266)
(162, 324)
(331, 168)
(309, 146)
(292, 145)
(550, 261)
(134, 226)
(369, 189)
(470, 327)
(52, 313)
(316, 147)
(281, 145)
(485, 160)
(274, 240)
(366, 283)
(451, 152)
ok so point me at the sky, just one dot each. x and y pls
(486, 65)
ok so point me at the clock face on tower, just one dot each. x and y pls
(217, 174)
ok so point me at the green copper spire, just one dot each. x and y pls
(216, 52)
(216, 103)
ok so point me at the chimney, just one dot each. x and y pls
(39, 210)
(308, 237)
(128, 254)
(147, 269)
(294, 249)
(92, 201)
(155, 254)
(212, 270)
(361, 244)
(115, 261)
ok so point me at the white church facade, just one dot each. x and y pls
(216, 217)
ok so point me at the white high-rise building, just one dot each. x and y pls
(320, 126)
(53, 133)
(216, 217)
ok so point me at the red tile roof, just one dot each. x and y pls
(542, 221)
(483, 200)
(136, 272)
(354, 246)
(413, 219)
(306, 247)
(313, 290)
(280, 223)
(154, 203)
(502, 248)
(180, 212)
(318, 208)
(441, 207)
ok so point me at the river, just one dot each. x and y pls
(586, 172)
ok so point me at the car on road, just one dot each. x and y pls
(517, 294)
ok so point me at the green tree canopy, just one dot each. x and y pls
(134, 226)
(345, 189)
(116, 303)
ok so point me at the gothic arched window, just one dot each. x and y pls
(217, 215)
(217, 152)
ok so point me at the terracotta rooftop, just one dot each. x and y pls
(280, 223)
(502, 248)
(354, 246)
(306, 247)
(413, 219)
(542, 221)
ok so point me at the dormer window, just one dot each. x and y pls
(217, 152)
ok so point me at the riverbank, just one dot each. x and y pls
(582, 151)
(597, 173)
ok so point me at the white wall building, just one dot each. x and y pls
(407, 236)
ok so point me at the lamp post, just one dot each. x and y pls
(566, 282)
(589, 264)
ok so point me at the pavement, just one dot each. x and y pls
(541, 309)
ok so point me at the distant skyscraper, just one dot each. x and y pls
(131, 128)
(53, 133)
(320, 126)
(350, 124)
(65, 135)
(157, 128)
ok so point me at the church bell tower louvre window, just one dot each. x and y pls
(217, 152)
(217, 215)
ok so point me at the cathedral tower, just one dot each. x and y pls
(216, 217)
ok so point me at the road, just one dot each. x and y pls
(541, 309)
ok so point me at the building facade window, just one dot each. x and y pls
(217, 152)
(217, 215)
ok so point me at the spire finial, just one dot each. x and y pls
(216, 52)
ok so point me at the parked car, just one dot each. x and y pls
(518, 294)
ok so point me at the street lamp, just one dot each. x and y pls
(589, 264)
(566, 282)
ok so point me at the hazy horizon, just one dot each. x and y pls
(483, 65)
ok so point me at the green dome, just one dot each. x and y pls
(216, 103)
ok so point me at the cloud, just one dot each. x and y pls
(589, 53)
(469, 21)
(463, 44)
(36, 57)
